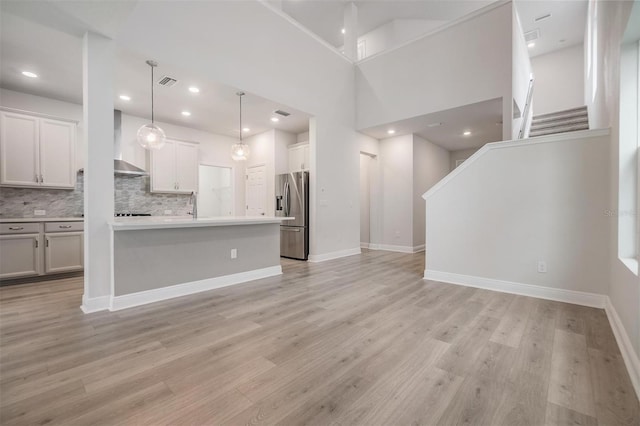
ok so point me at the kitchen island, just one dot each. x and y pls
(157, 258)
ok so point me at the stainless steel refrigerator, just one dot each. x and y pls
(292, 200)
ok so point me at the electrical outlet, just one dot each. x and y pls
(168, 212)
(542, 266)
(234, 253)
(39, 212)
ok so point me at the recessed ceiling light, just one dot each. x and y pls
(530, 45)
(275, 119)
(246, 129)
(186, 113)
(343, 31)
(29, 74)
(391, 131)
(194, 89)
(125, 97)
(467, 133)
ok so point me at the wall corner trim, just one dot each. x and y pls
(95, 304)
(631, 360)
(316, 258)
(593, 300)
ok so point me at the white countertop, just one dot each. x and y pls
(40, 219)
(165, 222)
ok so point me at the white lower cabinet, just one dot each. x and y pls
(20, 255)
(37, 248)
(64, 252)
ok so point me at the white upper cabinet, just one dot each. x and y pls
(57, 153)
(36, 152)
(298, 157)
(174, 168)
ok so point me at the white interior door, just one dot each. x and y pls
(215, 196)
(256, 190)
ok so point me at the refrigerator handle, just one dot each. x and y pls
(286, 199)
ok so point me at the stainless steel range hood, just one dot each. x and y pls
(121, 167)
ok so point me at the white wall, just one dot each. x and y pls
(396, 32)
(301, 73)
(424, 76)
(396, 157)
(606, 22)
(365, 198)
(461, 154)
(281, 143)
(521, 74)
(513, 206)
(430, 164)
(559, 80)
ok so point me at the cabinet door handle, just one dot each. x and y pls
(37, 179)
(64, 226)
(36, 243)
(47, 242)
(16, 228)
(41, 179)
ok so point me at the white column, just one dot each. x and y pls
(351, 31)
(98, 64)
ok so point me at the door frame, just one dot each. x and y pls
(375, 201)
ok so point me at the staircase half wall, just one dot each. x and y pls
(514, 204)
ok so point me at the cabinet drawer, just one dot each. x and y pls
(63, 226)
(19, 228)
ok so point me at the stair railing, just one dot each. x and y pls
(527, 107)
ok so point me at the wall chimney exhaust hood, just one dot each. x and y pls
(121, 167)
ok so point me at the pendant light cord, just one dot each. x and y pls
(240, 118)
(151, 94)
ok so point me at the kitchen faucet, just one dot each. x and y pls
(193, 201)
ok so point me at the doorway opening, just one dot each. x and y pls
(215, 196)
(367, 166)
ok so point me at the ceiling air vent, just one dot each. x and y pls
(542, 17)
(167, 81)
(282, 113)
(532, 35)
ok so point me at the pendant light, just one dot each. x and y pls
(240, 151)
(151, 136)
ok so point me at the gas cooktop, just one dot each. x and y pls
(131, 214)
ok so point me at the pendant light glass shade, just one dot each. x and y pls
(150, 136)
(240, 151)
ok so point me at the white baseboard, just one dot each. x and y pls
(593, 300)
(364, 245)
(158, 294)
(397, 249)
(95, 304)
(315, 258)
(631, 360)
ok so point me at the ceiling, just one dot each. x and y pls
(57, 59)
(482, 119)
(565, 27)
(325, 18)
(47, 44)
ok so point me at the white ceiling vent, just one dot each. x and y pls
(282, 113)
(532, 35)
(542, 17)
(167, 81)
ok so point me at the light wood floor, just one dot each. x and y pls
(356, 341)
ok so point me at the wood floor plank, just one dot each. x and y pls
(570, 385)
(361, 340)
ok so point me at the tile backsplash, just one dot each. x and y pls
(131, 195)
